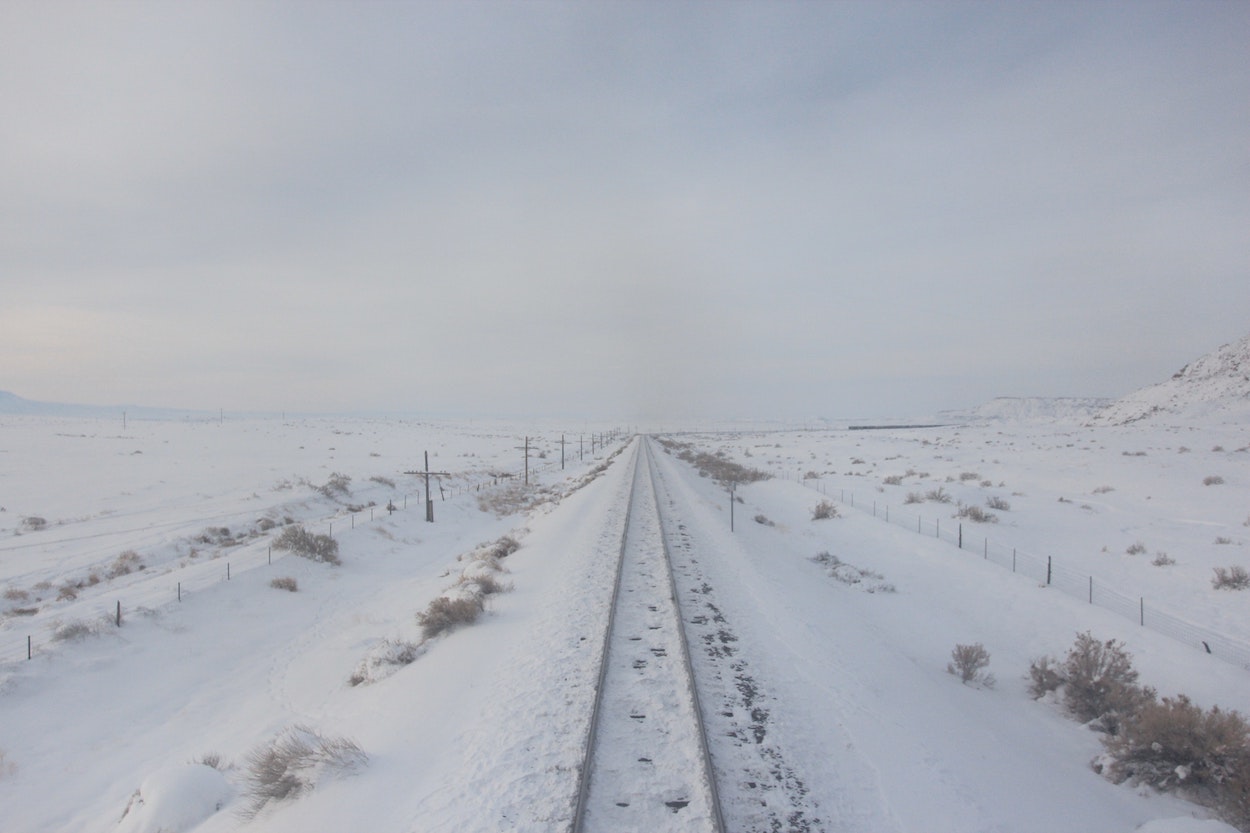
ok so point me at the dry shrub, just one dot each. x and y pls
(445, 613)
(336, 485)
(969, 662)
(125, 564)
(995, 502)
(717, 466)
(824, 510)
(969, 475)
(938, 495)
(294, 762)
(303, 543)
(1212, 480)
(869, 581)
(1100, 683)
(74, 630)
(33, 523)
(287, 583)
(504, 547)
(763, 520)
(1173, 743)
(1231, 578)
(1136, 548)
(913, 497)
(1045, 675)
(484, 584)
(976, 514)
(384, 659)
(893, 480)
(511, 498)
(1162, 559)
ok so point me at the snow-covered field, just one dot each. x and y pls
(113, 728)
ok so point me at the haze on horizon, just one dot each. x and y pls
(759, 209)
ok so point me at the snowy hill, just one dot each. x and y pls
(1216, 385)
(1026, 408)
(11, 403)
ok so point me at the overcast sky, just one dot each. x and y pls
(618, 209)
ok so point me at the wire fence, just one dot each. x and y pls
(1047, 571)
(137, 595)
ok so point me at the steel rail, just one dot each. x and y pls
(583, 789)
(718, 817)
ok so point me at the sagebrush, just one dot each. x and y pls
(1231, 578)
(294, 762)
(968, 662)
(445, 613)
(1174, 743)
(824, 510)
(1100, 684)
(309, 545)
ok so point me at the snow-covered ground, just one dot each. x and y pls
(115, 729)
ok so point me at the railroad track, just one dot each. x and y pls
(646, 764)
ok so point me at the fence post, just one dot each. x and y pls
(179, 591)
(987, 549)
(961, 536)
(29, 650)
(1143, 610)
(874, 509)
(119, 613)
(1091, 589)
(917, 524)
(227, 571)
(1048, 571)
(1013, 559)
(937, 528)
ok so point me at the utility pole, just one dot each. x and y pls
(527, 459)
(429, 499)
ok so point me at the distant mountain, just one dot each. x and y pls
(11, 403)
(1216, 385)
(1029, 408)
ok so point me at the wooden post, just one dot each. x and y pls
(119, 613)
(961, 536)
(29, 649)
(429, 503)
(179, 591)
(1048, 570)
(561, 452)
